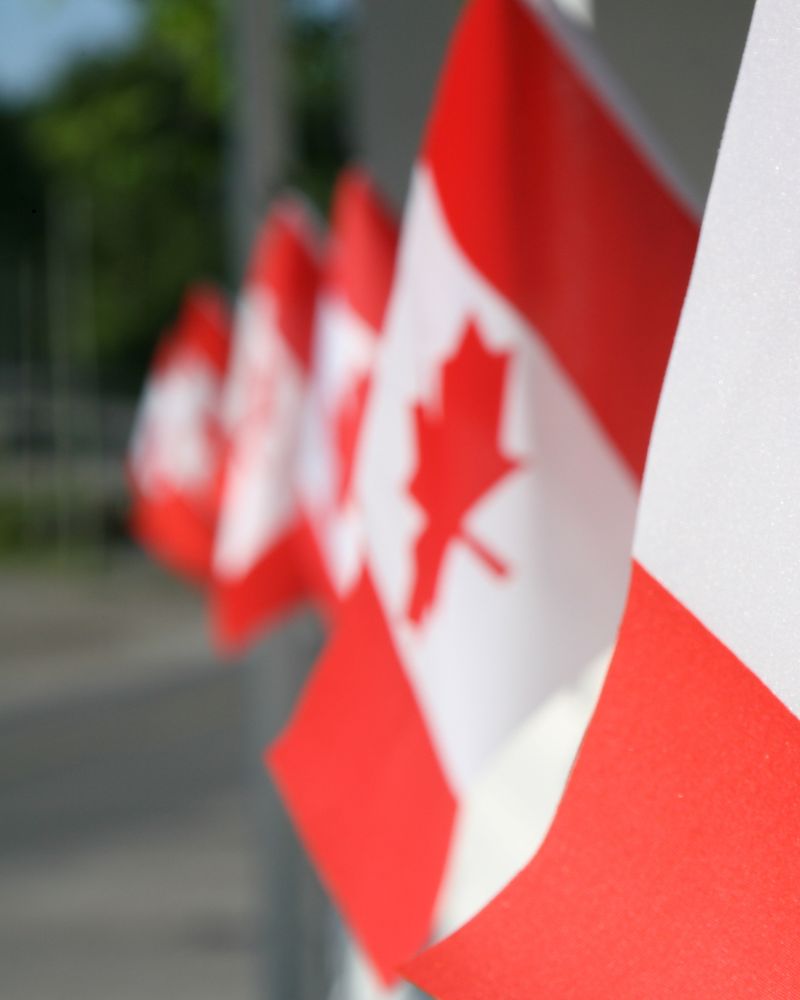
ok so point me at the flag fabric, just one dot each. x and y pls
(672, 868)
(257, 564)
(176, 449)
(358, 274)
(511, 805)
(507, 810)
(542, 265)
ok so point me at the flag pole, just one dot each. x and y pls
(294, 927)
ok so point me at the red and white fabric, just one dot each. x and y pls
(505, 815)
(358, 274)
(258, 567)
(511, 805)
(176, 449)
(672, 868)
(542, 265)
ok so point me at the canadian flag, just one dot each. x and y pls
(258, 568)
(672, 868)
(176, 448)
(541, 270)
(352, 302)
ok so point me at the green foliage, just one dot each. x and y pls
(22, 231)
(137, 141)
(31, 526)
(190, 33)
(320, 54)
(140, 139)
(22, 187)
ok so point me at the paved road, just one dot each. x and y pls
(127, 861)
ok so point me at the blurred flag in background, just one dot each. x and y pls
(258, 566)
(358, 274)
(176, 450)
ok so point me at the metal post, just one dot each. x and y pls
(58, 322)
(295, 921)
(25, 296)
(83, 265)
(258, 150)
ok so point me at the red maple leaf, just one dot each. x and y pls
(347, 427)
(459, 460)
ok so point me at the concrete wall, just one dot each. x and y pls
(401, 48)
(678, 57)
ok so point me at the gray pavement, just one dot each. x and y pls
(126, 854)
(75, 632)
(163, 910)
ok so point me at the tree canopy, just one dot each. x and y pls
(138, 140)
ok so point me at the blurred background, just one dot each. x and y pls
(142, 853)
